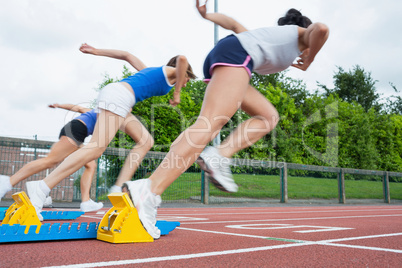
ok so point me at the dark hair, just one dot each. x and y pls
(190, 73)
(294, 17)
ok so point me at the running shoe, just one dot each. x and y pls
(90, 205)
(5, 185)
(48, 202)
(37, 196)
(146, 203)
(218, 169)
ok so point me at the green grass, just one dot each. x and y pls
(268, 187)
(188, 186)
(185, 187)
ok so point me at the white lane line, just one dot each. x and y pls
(179, 218)
(298, 219)
(359, 237)
(277, 226)
(290, 212)
(227, 252)
(224, 233)
(178, 257)
(322, 242)
(360, 247)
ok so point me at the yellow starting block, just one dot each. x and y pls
(121, 223)
(22, 212)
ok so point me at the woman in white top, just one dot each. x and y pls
(113, 106)
(228, 69)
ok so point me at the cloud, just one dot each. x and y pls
(41, 64)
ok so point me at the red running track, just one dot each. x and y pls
(340, 236)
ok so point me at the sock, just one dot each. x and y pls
(45, 189)
(8, 184)
(115, 189)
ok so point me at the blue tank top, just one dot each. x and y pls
(89, 119)
(149, 82)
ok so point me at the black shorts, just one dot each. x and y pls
(228, 52)
(75, 130)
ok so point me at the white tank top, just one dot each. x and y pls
(273, 49)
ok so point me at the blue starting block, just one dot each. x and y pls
(55, 231)
(52, 215)
(21, 223)
(65, 231)
(167, 226)
(61, 215)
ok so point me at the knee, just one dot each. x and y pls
(51, 162)
(210, 125)
(91, 165)
(275, 119)
(269, 122)
(146, 142)
(93, 153)
(272, 120)
(98, 153)
(149, 143)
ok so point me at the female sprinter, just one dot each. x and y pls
(114, 105)
(71, 138)
(228, 69)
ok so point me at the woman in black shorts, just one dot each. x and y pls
(71, 137)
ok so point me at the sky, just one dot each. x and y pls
(40, 63)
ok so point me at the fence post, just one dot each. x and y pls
(35, 155)
(284, 183)
(341, 186)
(97, 180)
(94, 183)
(204, 188)
(387, 196)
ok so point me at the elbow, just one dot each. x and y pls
(181, 59)
(238, 28)
(322, 29)
(126, 56)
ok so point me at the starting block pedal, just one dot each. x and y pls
(21, 212)
(121, 223)
(167, 226)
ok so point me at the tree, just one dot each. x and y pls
(364, 138)
(394, 103)
(355, 86)
(294, 88)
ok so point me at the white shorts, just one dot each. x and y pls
(116, 98)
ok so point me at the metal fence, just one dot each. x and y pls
(15, 153)
(259, 181)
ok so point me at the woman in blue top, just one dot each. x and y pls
(114, 105)
(71, 137)
(228, 69)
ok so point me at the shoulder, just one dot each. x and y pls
(169, 70)
(170, 74)
(271, 29)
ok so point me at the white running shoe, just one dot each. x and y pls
(90, 205)
(146, 203)
(37, 197)
(218, 169)
(5, 185)
(48, 202)
(115, 189)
